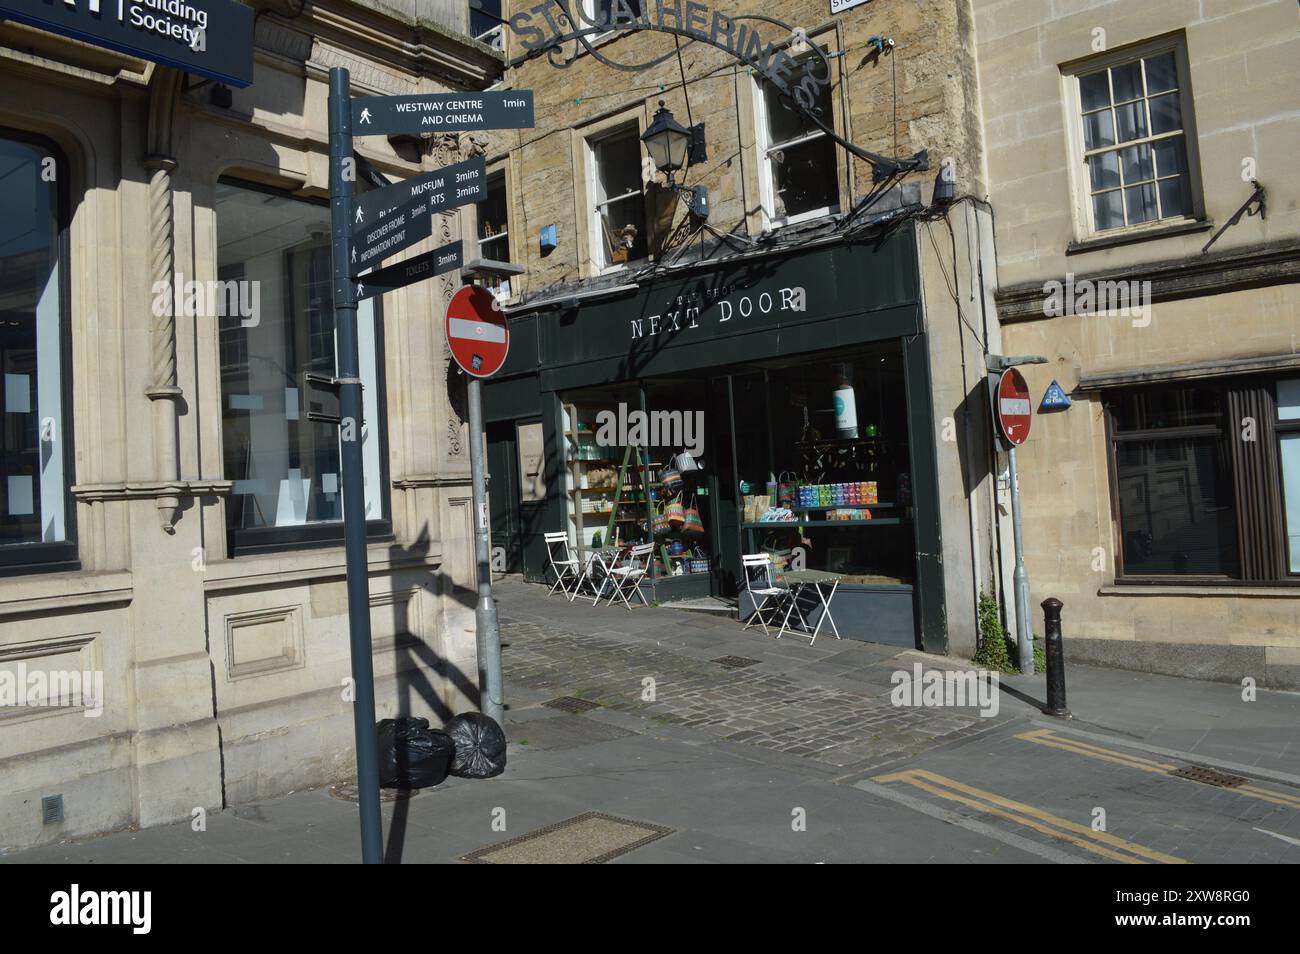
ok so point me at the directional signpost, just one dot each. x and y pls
(365, 230)
(442, 112)
(446, 258)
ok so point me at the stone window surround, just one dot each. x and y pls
(1085, 237)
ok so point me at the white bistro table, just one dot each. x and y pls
(801, 580)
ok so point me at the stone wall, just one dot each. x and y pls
(1244, 61)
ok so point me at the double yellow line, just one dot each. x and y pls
(1062, 829)
(1050, 738)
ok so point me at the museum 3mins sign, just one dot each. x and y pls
(212, 38)
(548, 26)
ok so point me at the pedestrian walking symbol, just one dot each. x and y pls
(365, 116)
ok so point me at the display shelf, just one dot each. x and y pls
(857, 506)
(878, 522)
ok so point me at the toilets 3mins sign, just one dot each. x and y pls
(212, 38)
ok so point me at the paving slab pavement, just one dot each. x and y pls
(800, 757)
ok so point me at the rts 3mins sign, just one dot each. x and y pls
(212, 38)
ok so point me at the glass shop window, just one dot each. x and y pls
(1288, 433)
(676, 430)
(837, 495)
(607, 477)
(35, 505)
(286, 468)
(1173, 474)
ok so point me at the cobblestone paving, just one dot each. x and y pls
(833, 727)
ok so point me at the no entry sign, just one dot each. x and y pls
(1014, 410)
(477, 332)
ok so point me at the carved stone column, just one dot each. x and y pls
(163, 391)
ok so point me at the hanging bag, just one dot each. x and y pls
(672, 480)
(660, 523)
(693, 522)
(675, 514)
(787, 489)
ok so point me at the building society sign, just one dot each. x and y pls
(212, 38)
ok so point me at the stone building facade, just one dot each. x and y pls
(171, 517)
(902, 80)
(1163, 507)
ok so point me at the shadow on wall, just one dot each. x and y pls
(420, 671)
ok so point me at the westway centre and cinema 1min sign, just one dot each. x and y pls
(212, 38)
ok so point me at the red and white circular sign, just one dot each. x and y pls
(477, 332)
(1014, 408)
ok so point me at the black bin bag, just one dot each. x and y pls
(480, 746)
(411, 755)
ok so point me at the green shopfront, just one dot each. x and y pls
(791, 384)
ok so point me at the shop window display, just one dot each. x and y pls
(837, 493)
(634, 473)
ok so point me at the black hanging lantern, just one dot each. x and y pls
(667, 141)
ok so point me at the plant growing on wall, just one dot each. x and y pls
(997, 648)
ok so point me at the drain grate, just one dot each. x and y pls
(51, 809)
(736, 662)
(572, 704)
(348, 792)
(1208, 776)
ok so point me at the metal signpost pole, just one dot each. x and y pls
(354, 494)
(487, 631)
(1020, 577)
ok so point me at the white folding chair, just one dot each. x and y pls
(567, 576)
(626, 579)
(594, 575)
(766, 595)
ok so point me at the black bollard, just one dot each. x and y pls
(1055, 659)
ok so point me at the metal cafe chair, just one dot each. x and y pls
(767, 596)
(567, 576)
(627, 578)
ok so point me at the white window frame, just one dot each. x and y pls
(589, 12)
(1080, 178)
(764, 146)
(598, 200)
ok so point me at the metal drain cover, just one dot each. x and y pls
(1208, 776)
(572, 704)
(736, 662)
(347, 792)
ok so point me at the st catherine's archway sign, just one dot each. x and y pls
(774, 49)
